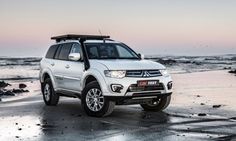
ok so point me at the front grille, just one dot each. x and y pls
(143, 73)
(136, 88)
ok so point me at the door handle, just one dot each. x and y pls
(67, 66)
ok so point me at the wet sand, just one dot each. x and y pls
(27, 118)
(209, 88)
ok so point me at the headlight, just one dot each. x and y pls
(114, 74)
(164, 72)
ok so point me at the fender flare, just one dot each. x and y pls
(96, 74)
(49, 72)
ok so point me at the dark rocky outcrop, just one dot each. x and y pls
(167, 62)
(19, 91)
(201, 114)
(4, 84)
(233, 71)
(22, 86)
(216, 106)
(11, 92)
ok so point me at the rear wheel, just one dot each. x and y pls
(50, 97)
(158, 104)
(93, 101)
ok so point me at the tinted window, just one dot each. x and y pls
(110, 51)
(93, 52)
(123, 52)
(65, 50)
(58, 52)
(75, 48)
(51, 51)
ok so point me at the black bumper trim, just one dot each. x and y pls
(138, 95)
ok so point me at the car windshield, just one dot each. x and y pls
(110, 51)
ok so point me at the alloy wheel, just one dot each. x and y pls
(95, 99)
(47, 92)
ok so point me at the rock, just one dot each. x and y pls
(227, 68)
(22, 86)
(233, 118)
(201, 114)
(19, 91)
(197, 63)
(202, 104)
(216, 106)
(1, 93)
(167, 62)
(198, 96)
(232, 71)
(9, 93)
(3, 84)
(25, 91)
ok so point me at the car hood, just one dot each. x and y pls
(130, 64)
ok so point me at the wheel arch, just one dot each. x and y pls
(89, 78)
(47, 74)
(94, 75)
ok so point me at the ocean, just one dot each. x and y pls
(12, 68)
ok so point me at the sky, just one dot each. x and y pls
(151, 27)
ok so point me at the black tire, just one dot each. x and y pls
(157, 104)
(50, 97)
(101, 111)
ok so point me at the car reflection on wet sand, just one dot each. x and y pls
(186, 118)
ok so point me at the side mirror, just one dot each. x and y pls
(141, 56)
(74, 56)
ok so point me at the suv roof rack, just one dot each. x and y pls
(79, 37)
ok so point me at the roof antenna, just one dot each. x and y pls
(101, 35)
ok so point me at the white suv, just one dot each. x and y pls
(102, 73)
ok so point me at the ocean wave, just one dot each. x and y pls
(28, 68)
(29, 61)
(19, 78)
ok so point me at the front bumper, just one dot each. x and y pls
(136, 99)
(127, 82)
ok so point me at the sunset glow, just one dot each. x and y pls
(202, 27)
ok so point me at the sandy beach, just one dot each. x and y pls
(202, 108)
(174, 57)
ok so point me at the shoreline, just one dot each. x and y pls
(202, 108)
(35, 79)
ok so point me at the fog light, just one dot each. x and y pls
(116, 88)
(169, 85)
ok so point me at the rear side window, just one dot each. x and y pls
(51, 52)
(56, 56)
(64, 53)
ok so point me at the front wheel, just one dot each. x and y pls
(157, 104)
(94, 103)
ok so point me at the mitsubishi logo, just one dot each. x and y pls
(146, 74)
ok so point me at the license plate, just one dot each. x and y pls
(144, 83)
